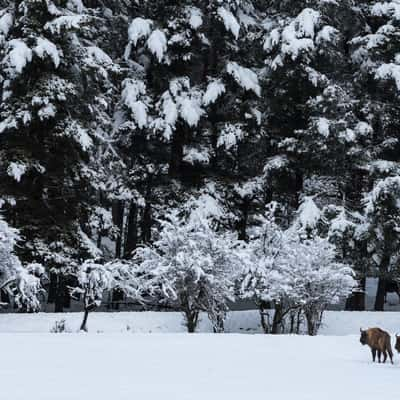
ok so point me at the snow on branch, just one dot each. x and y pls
(138, 29)
(245, 77)
(135, 98)
(46, 48)
(157, 44)
(389, 71)
(231, 23)
(214, 90)
(66, 23)
(6, 22)
(18, 56)
(389, 9)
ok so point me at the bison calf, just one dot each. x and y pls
(379, 341)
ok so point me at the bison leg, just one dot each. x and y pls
(373, 354)
(384, 356)
(390, 355)
(379, 356)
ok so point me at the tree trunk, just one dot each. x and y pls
(383, 276)
(67, 296)
(242, 224)
(264, 317)
(59, 298)
(131, 234)
(292, 322)
(310, 323)
(118, 220)
(146, 223)
(217, 320)
(278, 315)
(84, 321)
(51, 298)
(177, 153)
(356, 301)
(298, 324)
(192, 317)
(314, 319)
(380, 295)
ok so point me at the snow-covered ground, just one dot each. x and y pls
(334, 323)
(114, 366)
(117, 360)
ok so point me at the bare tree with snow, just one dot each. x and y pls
(95, 278)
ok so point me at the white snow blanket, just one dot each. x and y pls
(114, 366)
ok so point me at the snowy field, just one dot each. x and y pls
(113, 363)
(112, 366)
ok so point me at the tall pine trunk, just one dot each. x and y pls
(118, 220)
(242, 224)
(380, 295)
(175, 166)
(59, 298)
(132, 231)
(383, 275)
(146, 223)
(356, 301)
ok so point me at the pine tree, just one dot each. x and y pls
(188, 105)
(374, 54)
(51, 118)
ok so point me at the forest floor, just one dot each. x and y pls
(115, 366)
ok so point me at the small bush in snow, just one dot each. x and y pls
(60, 327)
(298, 276)
(191, 268)
(25, 280)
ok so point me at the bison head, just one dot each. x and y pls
(397, 345)
(363, 337)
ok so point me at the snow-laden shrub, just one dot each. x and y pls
(299, 277)
(25, 280)
(95, 278)
(60, 326)
(192, 268)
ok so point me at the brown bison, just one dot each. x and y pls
(397, 345)
(379, 341)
